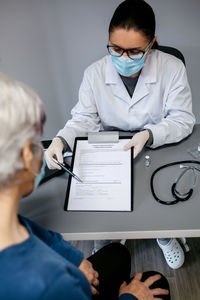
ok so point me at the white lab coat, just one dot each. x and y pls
(161, 101)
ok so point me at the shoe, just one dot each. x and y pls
(173, 253)
(123, 242)
(184, 244)
(94, 251)
(98, 244)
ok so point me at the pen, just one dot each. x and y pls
(68, 171)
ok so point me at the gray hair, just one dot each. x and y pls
(22, 118)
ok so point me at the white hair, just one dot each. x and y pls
(21, 120)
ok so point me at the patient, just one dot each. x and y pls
(36, 263)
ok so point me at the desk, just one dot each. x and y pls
(149, 218)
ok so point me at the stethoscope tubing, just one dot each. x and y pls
(174, 193)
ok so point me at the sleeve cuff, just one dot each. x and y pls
(150, 140)
(65, 144)
(68, 251)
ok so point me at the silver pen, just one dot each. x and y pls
(68, 171)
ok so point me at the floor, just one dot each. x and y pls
(146, 255)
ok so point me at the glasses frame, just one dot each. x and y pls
(126, 51)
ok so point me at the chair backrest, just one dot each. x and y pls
(172, 51)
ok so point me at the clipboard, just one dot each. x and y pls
(101, 138)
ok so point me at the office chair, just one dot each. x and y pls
(172, 51)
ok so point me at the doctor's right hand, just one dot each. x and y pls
(55, 150)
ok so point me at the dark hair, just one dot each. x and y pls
(137, 15)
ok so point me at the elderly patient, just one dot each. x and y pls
(36, 263)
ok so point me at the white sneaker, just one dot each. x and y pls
(94, 250)
(184, 244)
(173, 253)
(98, 244)
(123, 241)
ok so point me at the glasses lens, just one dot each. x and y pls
(115, 51)
(135, 54)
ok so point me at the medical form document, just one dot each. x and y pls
(106, 170)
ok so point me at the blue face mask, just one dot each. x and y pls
(41, 175)
(126, 66)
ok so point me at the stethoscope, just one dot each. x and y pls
(178, 197)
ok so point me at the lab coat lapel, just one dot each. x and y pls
(147, 77)
(114, 80)
(141, 90)
(119, 90)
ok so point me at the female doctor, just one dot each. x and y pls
(134, 88)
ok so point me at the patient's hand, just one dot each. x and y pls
(142, 290)
(90, 274)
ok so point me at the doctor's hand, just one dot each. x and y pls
(138, 141)
(55, 150)
(141, 290)
(90, 274)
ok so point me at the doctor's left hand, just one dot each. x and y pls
(138, 141)
(91, 275)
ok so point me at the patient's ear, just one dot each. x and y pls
(27, 155)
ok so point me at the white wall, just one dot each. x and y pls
(24, 52)
(48, 44)
(178, 25)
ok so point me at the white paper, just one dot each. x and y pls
(105, 169)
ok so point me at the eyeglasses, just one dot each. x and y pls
(134, 54)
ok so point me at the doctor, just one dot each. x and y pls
(135, 87)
